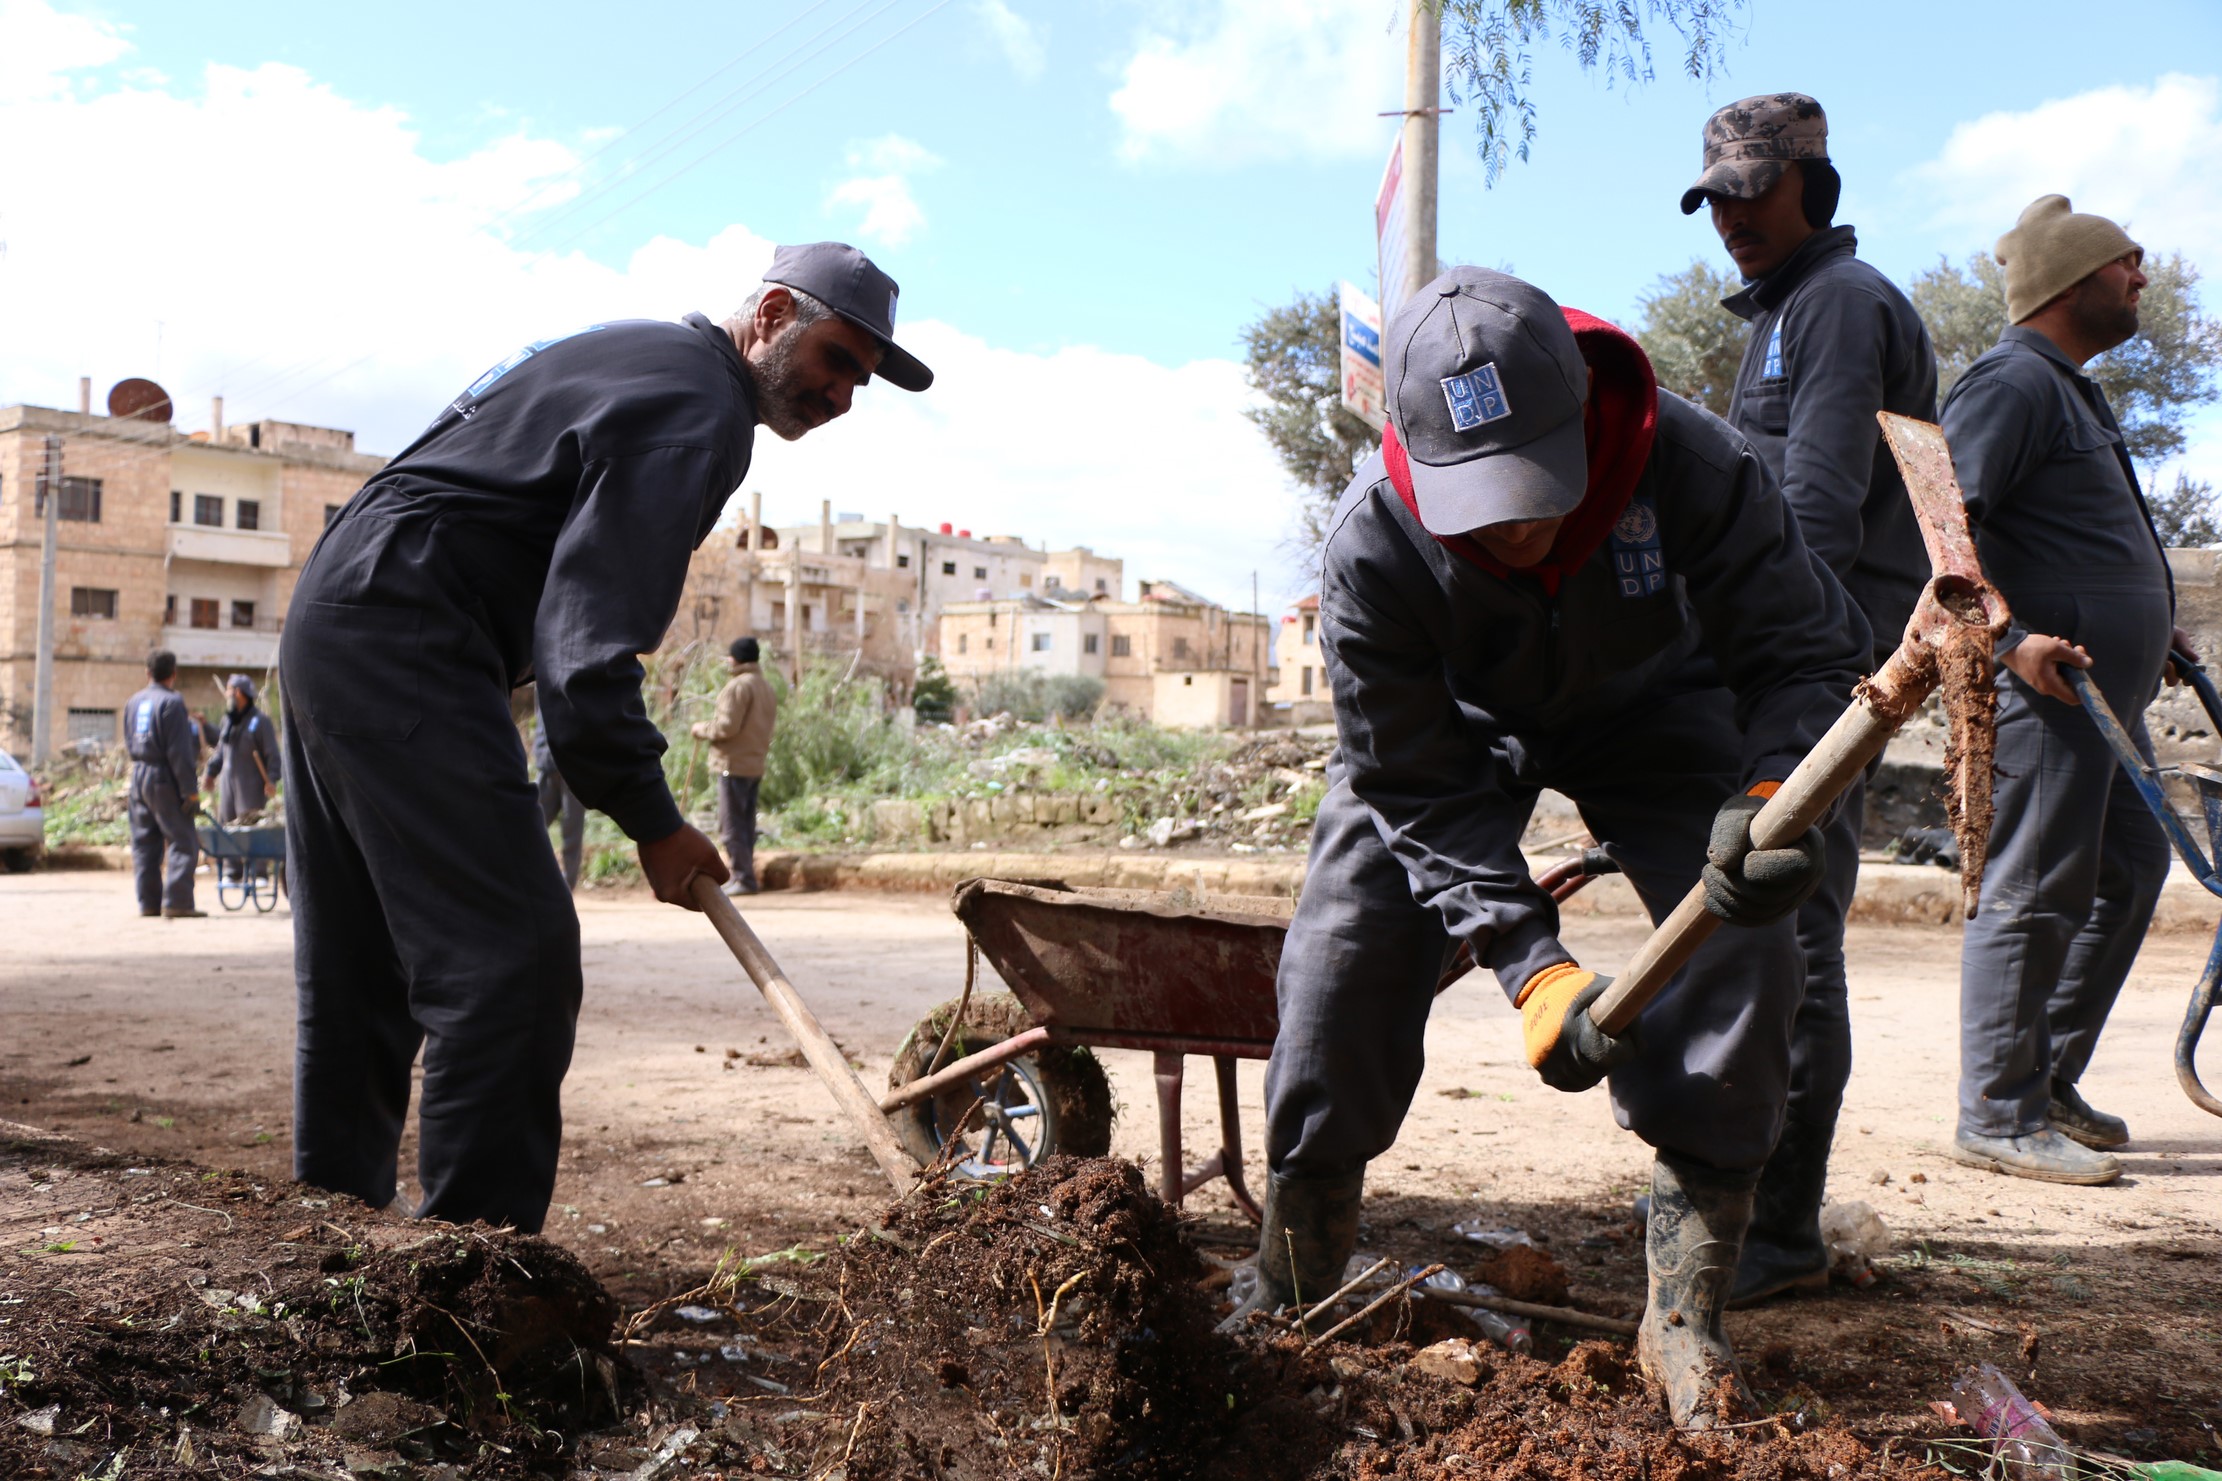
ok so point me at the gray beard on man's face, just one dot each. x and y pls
(774, 377)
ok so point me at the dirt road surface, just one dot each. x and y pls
(176, 1037)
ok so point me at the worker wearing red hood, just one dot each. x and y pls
(1554, 576)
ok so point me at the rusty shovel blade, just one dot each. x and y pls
(1955, 628)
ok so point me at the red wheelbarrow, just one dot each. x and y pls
(1010, 1076)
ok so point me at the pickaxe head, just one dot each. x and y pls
(1950, 640)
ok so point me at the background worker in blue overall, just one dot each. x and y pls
(540, 528)
(165, 750)
(1832, 342)
(2076, 861)
(1554, 575)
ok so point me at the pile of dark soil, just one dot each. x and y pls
(173, 1321)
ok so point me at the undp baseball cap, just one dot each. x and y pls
(1486, 387)
(846, 281)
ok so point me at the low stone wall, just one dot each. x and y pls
(1017, 818)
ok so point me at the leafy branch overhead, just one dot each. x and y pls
(1489, 54)
(1293, 359)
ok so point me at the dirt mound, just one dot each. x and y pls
(1526, 1273)
(172, 1321)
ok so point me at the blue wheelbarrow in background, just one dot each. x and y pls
(250, 863)
(2206, 785)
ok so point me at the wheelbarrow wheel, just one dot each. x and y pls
(1053, 1099)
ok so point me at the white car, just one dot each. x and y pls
(22, 817)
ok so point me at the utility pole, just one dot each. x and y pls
(42, 684)
(1423, 71)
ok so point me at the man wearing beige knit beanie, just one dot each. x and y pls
(2076, 862)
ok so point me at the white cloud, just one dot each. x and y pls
(2143, 156)
(891, 215)
(327, 271)
(1019, 39)
(40, 48)
(1245, 80)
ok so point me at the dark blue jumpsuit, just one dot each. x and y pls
(540, 527)
(1833, 342)
(1700, 649)
(2076, 860)
(164, 745)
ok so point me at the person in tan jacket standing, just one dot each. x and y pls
(740, 737)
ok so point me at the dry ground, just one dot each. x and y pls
(175, 1038)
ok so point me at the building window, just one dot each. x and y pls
(92, 725)
(92, 601)
(961, 642)
(1306, 685)
(205, 611)
(177, 505)
(1310, 625)
(1026, 578)
(331, 512)
(247, 514)
(779, 614)
(1122, 646)
(208, 510)
(979, 573)
(242, 614)
(1100, 587)
(169, 610)
(989, 645)
(1089, 643)
(1041, 642)
(1180, 647)
(80, 499)
(902, 562)
(948, 568)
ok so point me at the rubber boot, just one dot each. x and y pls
(1697, 1224)
(1309, 1231)
(1783, 1250)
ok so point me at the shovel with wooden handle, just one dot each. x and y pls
(1948, 645)
(816, 1044)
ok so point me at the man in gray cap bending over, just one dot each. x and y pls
(1832, 342)
(2076, 862)
(540, 528)
(1554, 575)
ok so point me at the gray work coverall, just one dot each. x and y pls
(1459, 694)
(1833, 342)
(541, 526)
(2076, 861)
(164, 746)
(246, 749)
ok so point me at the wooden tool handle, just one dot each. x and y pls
(1853, 741)
(817, 1045)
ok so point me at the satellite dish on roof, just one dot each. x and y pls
(139, 398)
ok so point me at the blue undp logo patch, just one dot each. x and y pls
(1476, 398)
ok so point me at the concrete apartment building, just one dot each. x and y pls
(948, 564)
(1300, 682)
(190, 543)
(1171, 656)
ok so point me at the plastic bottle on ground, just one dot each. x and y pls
(2029, 1449)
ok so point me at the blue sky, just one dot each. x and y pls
(338, 214)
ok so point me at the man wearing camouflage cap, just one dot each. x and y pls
(2076, 862)
(1553, 574)
(1832, 342)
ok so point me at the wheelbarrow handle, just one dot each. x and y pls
(2194, 673)
(817, 1045)
(2144, 778)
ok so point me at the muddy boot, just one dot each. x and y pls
(1697, 1223)
(2075, 1118)
(1310, 1230)
(1783, 1250)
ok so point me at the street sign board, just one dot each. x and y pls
(1362, 386)
(1389, 230)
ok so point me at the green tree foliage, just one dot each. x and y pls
(1695, 345)
(1031, 695)
(1489, 47)
(1293, 358)
(2186, 516)
(933, 698)
(1964, 309)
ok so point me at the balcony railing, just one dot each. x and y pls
(231, 547)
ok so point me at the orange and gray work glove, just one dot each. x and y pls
(1566, 1049)
(1748, 886)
